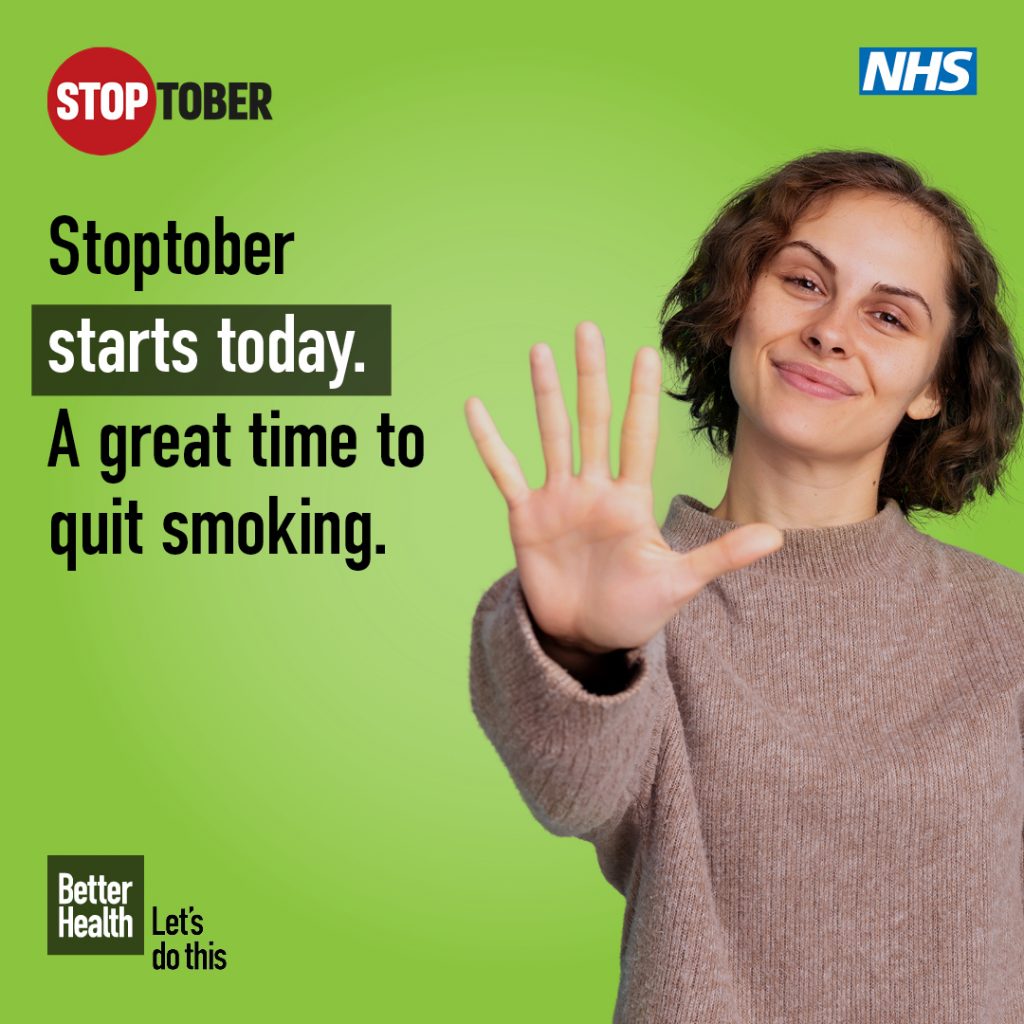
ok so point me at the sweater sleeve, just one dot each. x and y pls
(580, 760)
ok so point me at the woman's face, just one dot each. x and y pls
(856, 291)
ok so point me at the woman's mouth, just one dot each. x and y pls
(810, 387)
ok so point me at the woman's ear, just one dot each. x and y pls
(927, 404)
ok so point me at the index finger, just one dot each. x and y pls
(640, 424)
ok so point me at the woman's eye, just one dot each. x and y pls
(802, 283)
(893, 320)
(805, 284)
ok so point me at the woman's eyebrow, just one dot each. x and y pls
(826, 262)
(889, 289)
(907, 293)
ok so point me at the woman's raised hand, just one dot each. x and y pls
(595, 570)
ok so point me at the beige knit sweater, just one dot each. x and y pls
(811, 790)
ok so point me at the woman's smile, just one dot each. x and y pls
(803, 378)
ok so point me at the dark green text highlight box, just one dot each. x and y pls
(304, 350)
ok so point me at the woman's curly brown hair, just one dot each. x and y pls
(935, 463)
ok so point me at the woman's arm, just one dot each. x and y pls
(579, 750)
(594, 585)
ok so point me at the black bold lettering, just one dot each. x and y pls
(257, 249)
(236, 101)
(259, 101)
(62, 537)
(147, 256)
(63, 441)
(280, 241)
(214, 107)
(190, 100)
(167, 90)
(180, 544)
(226, 240)
(64, 221)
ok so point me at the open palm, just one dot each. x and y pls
(595, 569)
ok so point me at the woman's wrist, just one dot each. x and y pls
(581, 663)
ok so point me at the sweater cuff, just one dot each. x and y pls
(525, 630)
(545, 702)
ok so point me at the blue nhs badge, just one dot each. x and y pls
(902, 71)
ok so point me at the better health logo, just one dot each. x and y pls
(94, 904)
(102, 100)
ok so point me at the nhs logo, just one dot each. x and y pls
(891, 70)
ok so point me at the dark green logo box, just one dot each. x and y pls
(95, 904)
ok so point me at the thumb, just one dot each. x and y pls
(734, 550)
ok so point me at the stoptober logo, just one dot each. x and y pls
(102, 100)
(94, 904)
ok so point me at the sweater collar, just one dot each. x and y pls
(881, 545)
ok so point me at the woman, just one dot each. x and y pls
(791, 724)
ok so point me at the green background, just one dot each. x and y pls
(291, 743)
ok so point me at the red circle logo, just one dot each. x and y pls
(101, 100)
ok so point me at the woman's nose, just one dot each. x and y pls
(828, 330)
